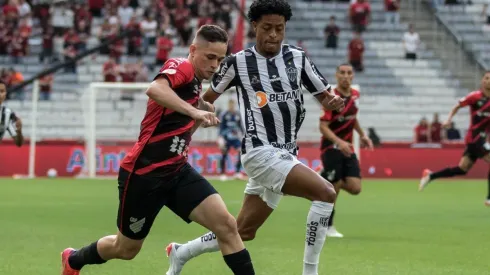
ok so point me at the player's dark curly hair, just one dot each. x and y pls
(266, 7)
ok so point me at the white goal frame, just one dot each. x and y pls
(91, 137)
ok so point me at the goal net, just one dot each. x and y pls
(113, 113)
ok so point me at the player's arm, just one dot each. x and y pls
(343, 146)
(318, 86)
(452, 113)
(161, 92)
(15, 130)
(365, 140)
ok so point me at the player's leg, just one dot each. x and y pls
(352, 176)
(486, 158)
(224, 156)
(463, 167)
(257, 207)
(138, 206)
(194, 199)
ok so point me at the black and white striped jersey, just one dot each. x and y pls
(269, 94)
(7, 122)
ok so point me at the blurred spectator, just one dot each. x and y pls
(48, 45)
(128, 75)
(134, 37)
(71, 39)
(486, 13)
(105, 31)
(374, 137)
(360, 13)
(331, 32)
(356, 52)
(392, 11)
(116, 49)
(149, 28)
(24, 9)
(251, 38)
(110, 70)
(125, 12)
(70, 52)
(62, 18)
(452, 133)
(164, 47)
(45, 86)
(14, 78)
(82, 14)
(422, 132)
(83, 35)
(95, 7)
(10, 11)
(435, 129)
(141, 72)
(411, 41)
(5, 37)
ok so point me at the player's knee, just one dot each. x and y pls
(326, 193)
(128, 252)
(226, 228)
(356, 190)
(247, 233)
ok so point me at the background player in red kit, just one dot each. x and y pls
(340, 164)
(477, 145)
(155, 173)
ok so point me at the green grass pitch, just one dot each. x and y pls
(389, 229)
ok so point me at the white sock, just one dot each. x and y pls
(205, 243)
(316, 231)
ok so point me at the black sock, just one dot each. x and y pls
(84, 256)
(330, 221)
(223, 164)
(238, 165)
(447, 173)
(488, 195)
(240, 263)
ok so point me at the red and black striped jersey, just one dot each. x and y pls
(165, 135)
(341, 123)
(480, 116)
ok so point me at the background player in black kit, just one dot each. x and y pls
(477, 146)
(340, 164)
(9, 122)
(156, 173)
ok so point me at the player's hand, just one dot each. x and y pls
(345, 148)
(205, 118)
(446, 124)
(333, 102)
(18, 124)
(366, 142)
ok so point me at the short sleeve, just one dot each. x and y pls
(177, 71)
(226, 76)
(470, 99)
(327, 116)
(312, 79)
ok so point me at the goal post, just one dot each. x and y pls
(114, 111)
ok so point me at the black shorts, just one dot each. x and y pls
(142, 197)
(336, 166)
(475, 151)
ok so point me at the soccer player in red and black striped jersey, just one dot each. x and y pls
(477, 146)
(156, 172)
(340, 164)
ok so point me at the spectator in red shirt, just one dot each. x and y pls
(82, 13)
(128, 75)
(70, 52)
(392, 15)
(4, 38)
(164, 47)
(96, 7)
(45, 86)
(48, 44)
(134, 38)
(359, 15)
(422, 134)
(10, 11)
(436, 129)
(356, 52)
(110, 70)
(331, 32)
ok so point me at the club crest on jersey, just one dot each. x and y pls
(255, 80)
(292, 74)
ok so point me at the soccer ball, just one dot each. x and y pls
(52, 173)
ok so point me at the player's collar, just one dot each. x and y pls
(261, 56)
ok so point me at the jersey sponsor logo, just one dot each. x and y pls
(287, 146)
(169, 71)
(178, 146)
(275, 78)
(485, 114)
(344, 118)
(250, 120)
(264, 99)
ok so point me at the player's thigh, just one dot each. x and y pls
(140, 200)
(466, 162)
(333, 164)
(306, 183)
(486, 158)
(352, 175)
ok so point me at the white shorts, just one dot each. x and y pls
(267, 168)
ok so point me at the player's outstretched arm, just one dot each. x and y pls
(343, 146)
(452, 113)
(15, 130)
(205, 106)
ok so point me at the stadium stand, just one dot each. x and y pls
(396, 92)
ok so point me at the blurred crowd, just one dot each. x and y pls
(434, 132)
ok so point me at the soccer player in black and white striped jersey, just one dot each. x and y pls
(9, 122)
(268, 78)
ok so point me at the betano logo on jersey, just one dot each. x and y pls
(264, 99)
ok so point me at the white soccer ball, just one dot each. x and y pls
(52, 173)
